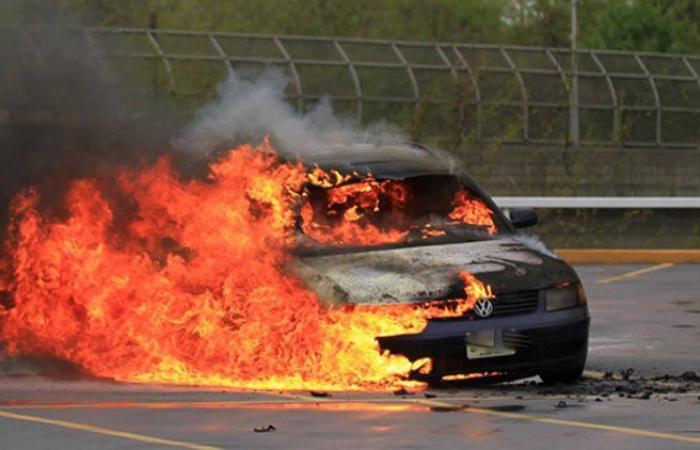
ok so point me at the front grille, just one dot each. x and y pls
(523, 302)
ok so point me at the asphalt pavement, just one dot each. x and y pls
(645, 318)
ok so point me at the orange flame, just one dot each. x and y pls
(352, 204)
(474, 289)
(351, 210)
(472, 211)
(185, 283)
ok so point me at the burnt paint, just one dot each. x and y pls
(418, 274)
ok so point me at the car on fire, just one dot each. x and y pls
(536, 320)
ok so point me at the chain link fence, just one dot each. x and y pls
(458, 93)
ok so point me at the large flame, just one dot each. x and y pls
(351, 205)
(351, 211)
(182, 281)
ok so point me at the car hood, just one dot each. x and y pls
(429, 272)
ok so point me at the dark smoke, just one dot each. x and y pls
(63, 112)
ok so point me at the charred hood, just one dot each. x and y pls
(429, 272)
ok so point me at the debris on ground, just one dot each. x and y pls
(506, 408)
(689, 375)
(622, 383)
(266, 429)
(645, 395)
(429, 395)
(448, 408)
(320, 394)
(402, 391)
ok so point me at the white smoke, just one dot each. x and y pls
(246, 110)
(534, 243)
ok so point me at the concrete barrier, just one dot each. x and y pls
(629, 256)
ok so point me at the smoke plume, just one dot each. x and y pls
(246, 110)
(66, 114)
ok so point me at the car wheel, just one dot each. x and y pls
(567, 374)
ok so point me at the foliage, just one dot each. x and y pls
(447, 108)
(653, 25)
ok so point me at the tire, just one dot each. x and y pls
(567, 374)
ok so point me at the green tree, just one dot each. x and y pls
(654, 25)
(650, 25)
(538, 22)
(445, 20)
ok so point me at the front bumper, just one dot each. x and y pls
(541, 340)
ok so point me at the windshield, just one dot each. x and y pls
(371, 212)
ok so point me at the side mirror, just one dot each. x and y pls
(523, 217)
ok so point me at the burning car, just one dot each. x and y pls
(397, 225)
(351, 271)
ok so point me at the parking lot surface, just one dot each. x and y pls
(639, 392)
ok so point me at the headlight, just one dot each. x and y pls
(564, 297)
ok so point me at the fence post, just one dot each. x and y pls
(613, 95)
(523, 92)
(293, 70)
(355, 79)
(477, 92)
(657, 99)
(214, 43)
(574, 116)
(166, 63)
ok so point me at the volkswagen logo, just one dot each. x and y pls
(483, 307)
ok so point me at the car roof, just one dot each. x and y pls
(385, 161)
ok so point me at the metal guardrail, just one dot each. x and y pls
(507, 94)
(599, 202)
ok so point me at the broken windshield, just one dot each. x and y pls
(370, 212)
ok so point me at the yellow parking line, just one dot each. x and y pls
(634, 273)
(106, 431)
(304, 398)
(233, 404)
(628, 255)
(145, 405)
(568, 423)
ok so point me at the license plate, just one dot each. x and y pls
(486, 344)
